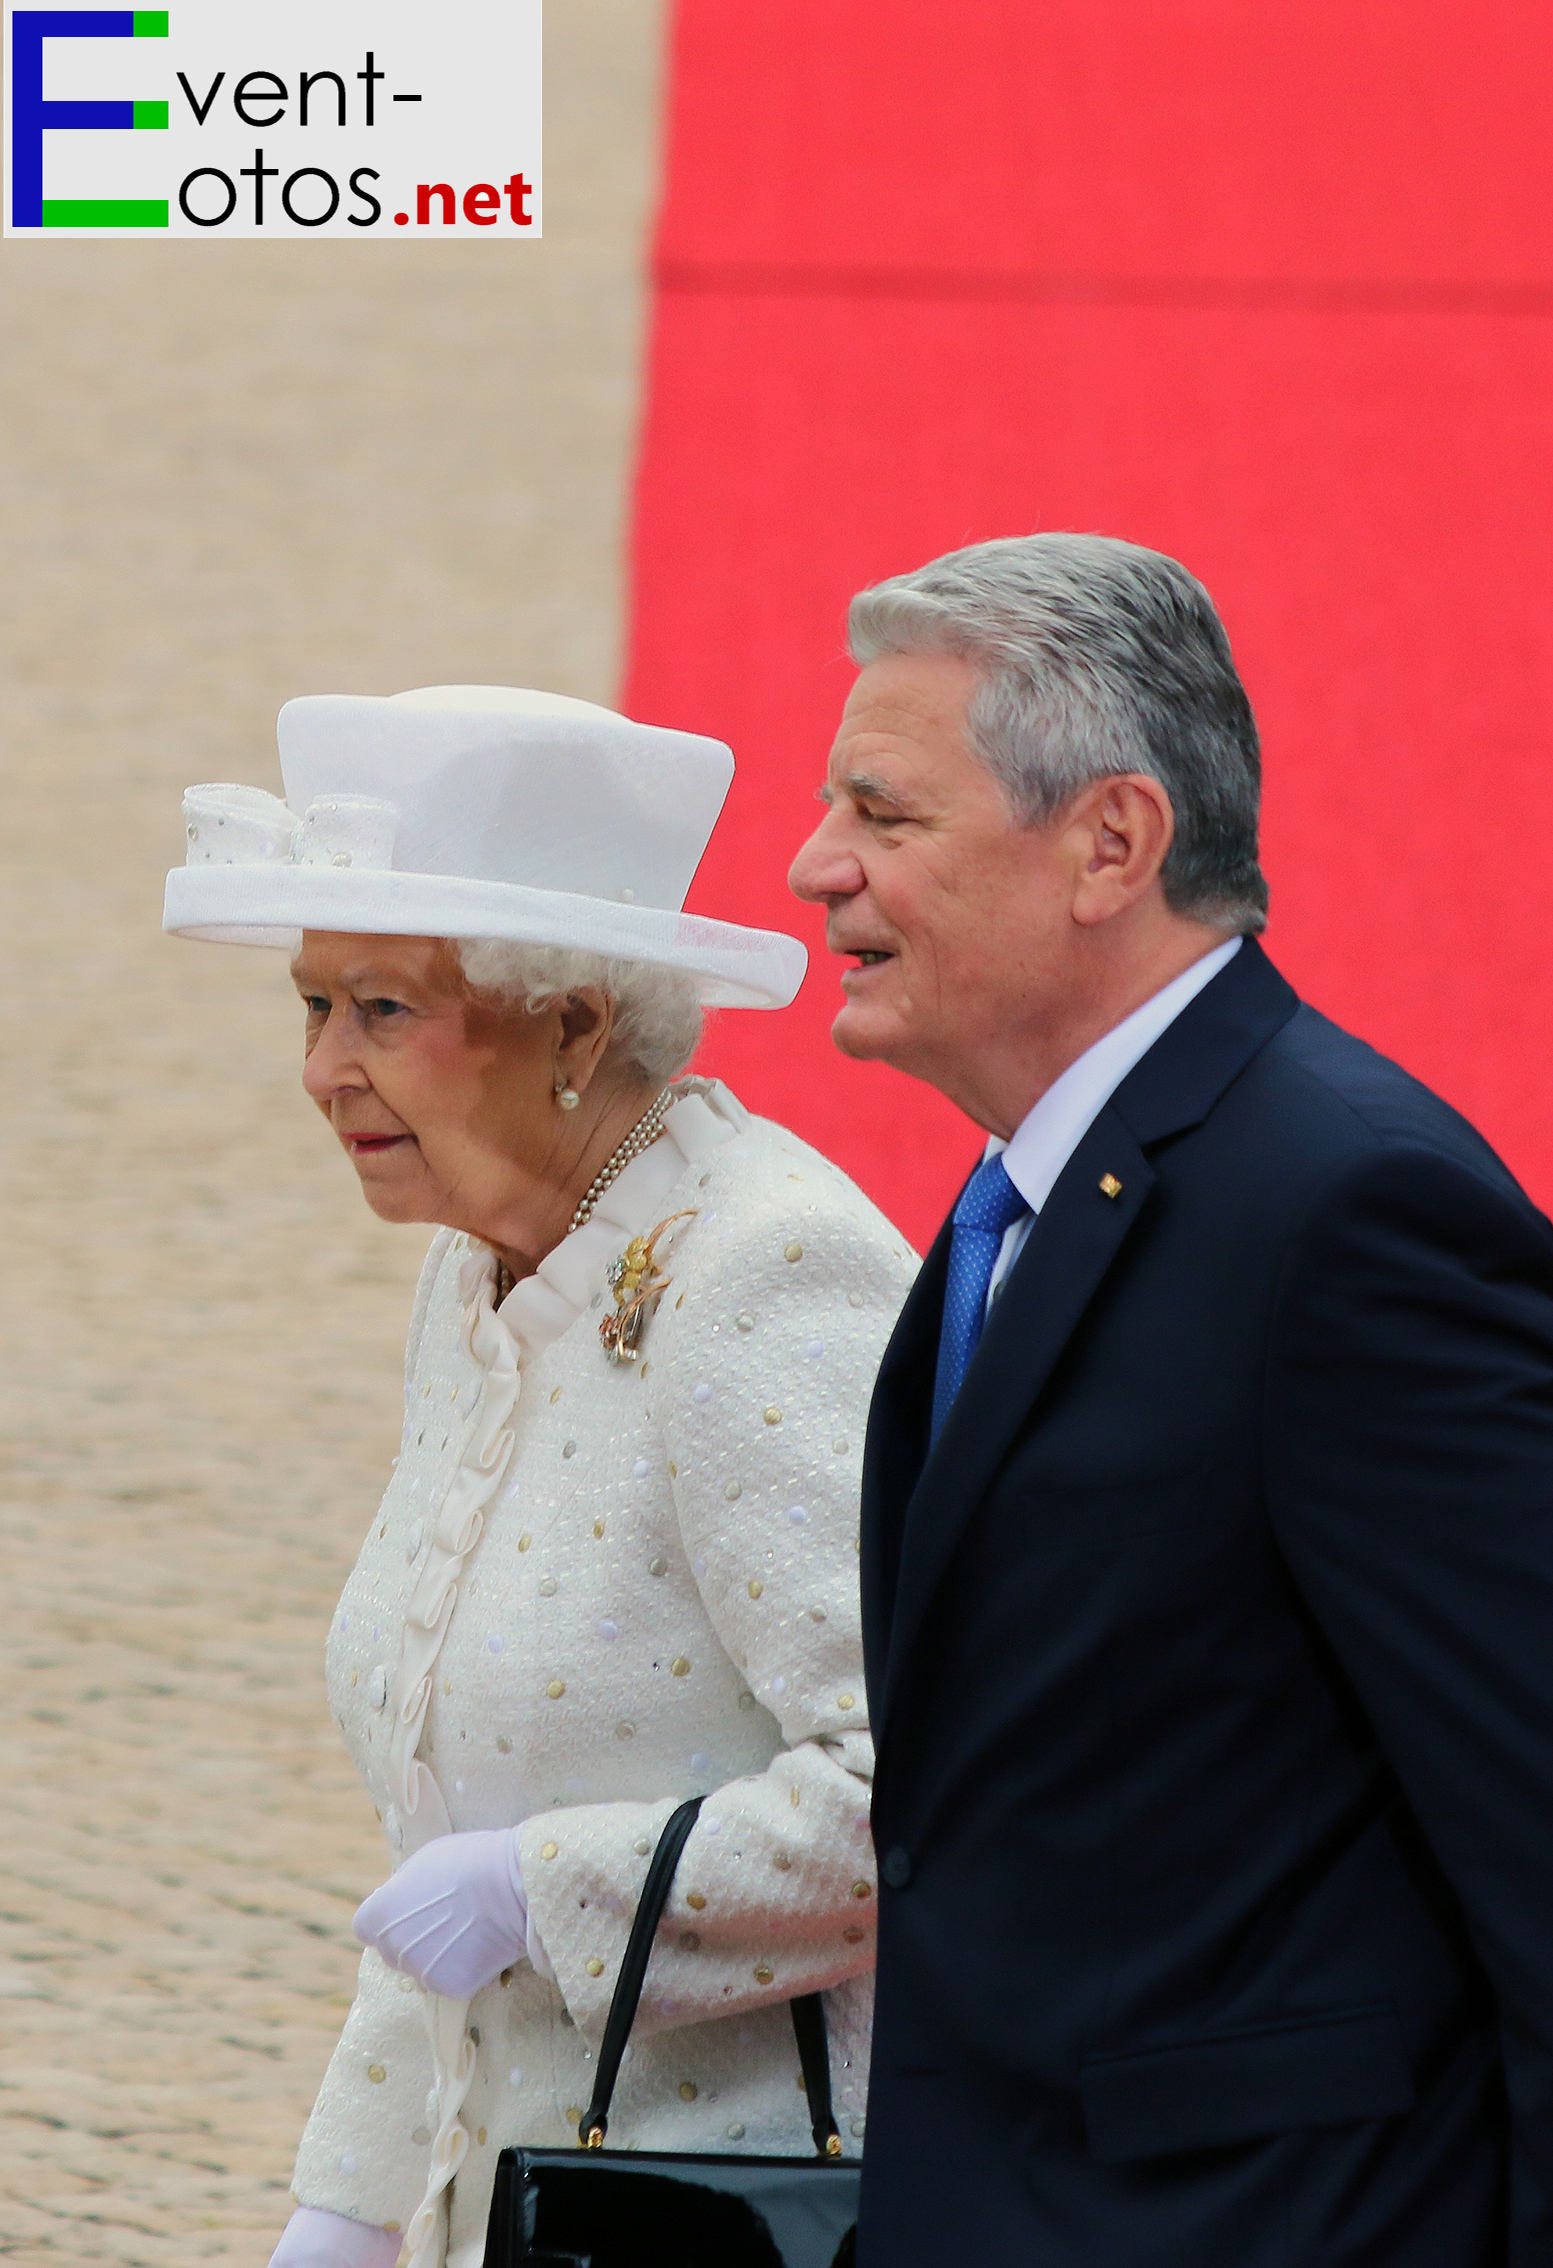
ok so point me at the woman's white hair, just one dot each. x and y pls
(658, 1018)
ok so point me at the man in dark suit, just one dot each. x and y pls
(1208, 1501)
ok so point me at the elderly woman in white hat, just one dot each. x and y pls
(616, 1564)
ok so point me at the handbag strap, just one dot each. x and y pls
(633, 1970)
(808, 2012)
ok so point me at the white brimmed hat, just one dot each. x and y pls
(477, 811)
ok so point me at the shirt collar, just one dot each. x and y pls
(1047, 1136)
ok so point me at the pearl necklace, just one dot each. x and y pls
(641, 1137)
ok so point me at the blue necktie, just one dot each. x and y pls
(989, 1205)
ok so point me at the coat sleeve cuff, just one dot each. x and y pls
(583, 1872)
(774, 1895)
(362, 2154)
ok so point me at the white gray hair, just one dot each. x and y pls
(658, 1018)
(1096, 657)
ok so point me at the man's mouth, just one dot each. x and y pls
(859, 963)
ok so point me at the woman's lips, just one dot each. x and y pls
(369, 1145)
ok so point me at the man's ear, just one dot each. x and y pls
(1121, 830)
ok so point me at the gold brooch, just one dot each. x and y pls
(638, 1283)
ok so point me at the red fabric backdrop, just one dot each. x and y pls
(1268, 288)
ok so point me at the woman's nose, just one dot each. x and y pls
(329, 1065)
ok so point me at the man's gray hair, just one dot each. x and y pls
(1096, 657)
(658, 1018)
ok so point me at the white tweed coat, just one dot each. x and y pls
(662, 1602)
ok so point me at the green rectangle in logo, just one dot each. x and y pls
(104, 212)
(151, 23)
(150, 114)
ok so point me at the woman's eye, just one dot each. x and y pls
(384, 1007)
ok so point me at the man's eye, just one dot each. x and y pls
(314, 1005)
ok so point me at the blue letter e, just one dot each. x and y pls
(31, 115)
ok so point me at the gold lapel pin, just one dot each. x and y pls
(1109, 1185)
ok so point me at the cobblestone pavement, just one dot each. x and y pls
(232, 474)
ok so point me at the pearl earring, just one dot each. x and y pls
(567, 1096)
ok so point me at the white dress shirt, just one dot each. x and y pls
(1047, 1136)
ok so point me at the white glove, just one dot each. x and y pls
(315, 2239)
(454, 1916)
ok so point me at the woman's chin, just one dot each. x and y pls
(393, 1196)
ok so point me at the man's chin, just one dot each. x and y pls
(865, 1035)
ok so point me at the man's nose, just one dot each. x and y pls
(330, 1067)
(824, 868)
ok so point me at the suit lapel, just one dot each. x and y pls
(1071, 1245)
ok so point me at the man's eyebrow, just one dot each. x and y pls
(867, 785)
(879, 790)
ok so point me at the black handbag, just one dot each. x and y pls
(597, 2208)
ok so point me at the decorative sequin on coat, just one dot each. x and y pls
(663, 1602)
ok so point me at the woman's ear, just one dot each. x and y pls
(586, 1019)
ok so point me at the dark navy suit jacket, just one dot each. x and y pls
(1210, 1656)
